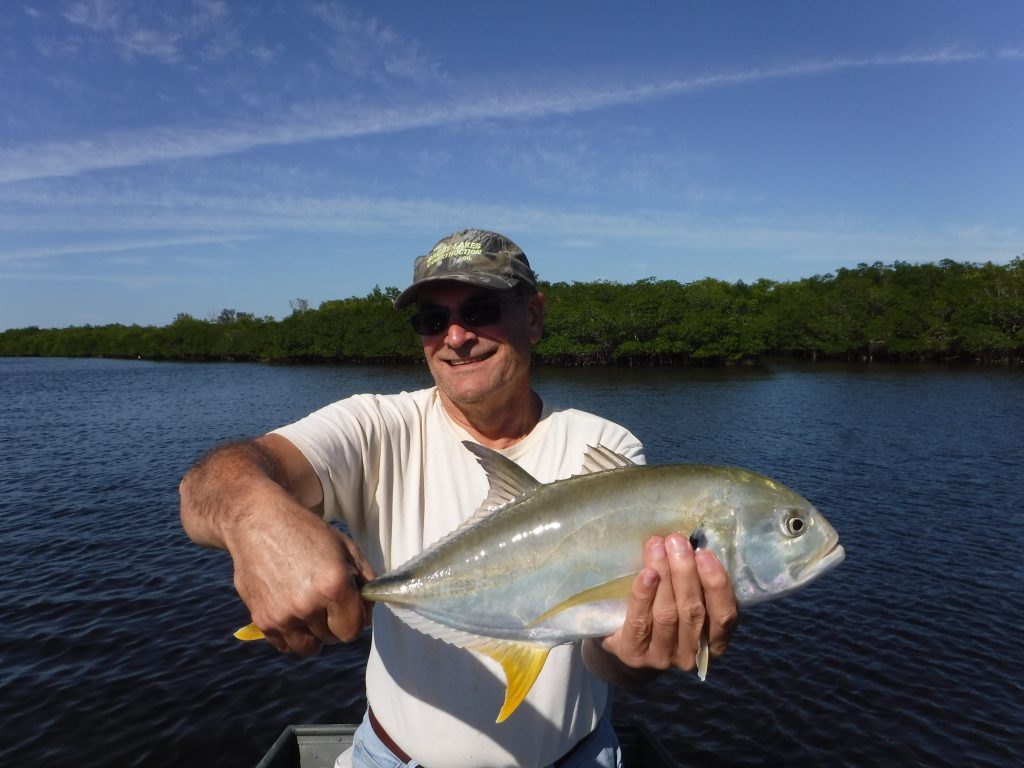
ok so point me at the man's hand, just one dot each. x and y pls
(677, 597)
(300, 578)
(298, 575)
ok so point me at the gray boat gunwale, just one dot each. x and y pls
(318, 745)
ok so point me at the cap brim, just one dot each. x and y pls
(491, 282)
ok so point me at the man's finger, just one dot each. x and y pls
(720, 601)
(319, 627)
(689, 599)
(664, 615)
(347, 618)
(357, 560)
(302, 642)
(631, 641)
(274, 638)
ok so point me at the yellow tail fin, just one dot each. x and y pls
(250, 632)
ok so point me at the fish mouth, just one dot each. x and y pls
(823, 564)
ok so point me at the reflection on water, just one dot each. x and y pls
(115, 632)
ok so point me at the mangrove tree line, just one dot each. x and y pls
(909, 312)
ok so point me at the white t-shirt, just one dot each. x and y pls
(394, 469)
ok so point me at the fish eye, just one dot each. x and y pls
(794, 524)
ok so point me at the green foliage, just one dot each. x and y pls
(654, 322)
(943, 311)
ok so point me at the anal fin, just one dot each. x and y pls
(522, 663)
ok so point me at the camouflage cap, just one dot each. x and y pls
(473, 256)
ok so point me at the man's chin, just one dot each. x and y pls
(463, 395)
(467, 385)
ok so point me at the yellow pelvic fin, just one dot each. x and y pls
(250, 632)
(616, 589)
(702, 657)
(522, 663)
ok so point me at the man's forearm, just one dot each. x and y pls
(214, 492)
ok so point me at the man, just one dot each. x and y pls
(393, 468)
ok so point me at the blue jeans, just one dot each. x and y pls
(598, 750)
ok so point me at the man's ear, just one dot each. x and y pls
(536, 308)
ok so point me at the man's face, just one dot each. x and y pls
(476, 365)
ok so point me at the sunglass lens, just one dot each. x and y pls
(429, 321)
(479, 315)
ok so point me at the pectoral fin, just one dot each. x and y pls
(522, 663)
(250, 632)
(616, 589)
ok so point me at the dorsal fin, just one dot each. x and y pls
(599, 459)
(508, 481)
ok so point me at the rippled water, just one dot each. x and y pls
(115, 631)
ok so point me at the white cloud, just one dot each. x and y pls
(150, 42)
(263, 53)
(185, 218)
(112, 246)
(96, 15)
(323, 121)
(142, 29)
(364, 46)
(130, 281)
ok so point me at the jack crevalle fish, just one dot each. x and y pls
(539, 565)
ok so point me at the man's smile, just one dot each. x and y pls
(469, 360)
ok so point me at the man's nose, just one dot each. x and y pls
(458, 333)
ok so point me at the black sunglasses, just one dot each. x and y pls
(476, 313)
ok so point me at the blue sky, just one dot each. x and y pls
(158, 158)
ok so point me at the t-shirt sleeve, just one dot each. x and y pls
(341, 442)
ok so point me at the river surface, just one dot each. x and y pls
(115, 631)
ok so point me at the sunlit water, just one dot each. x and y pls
(115, 631)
